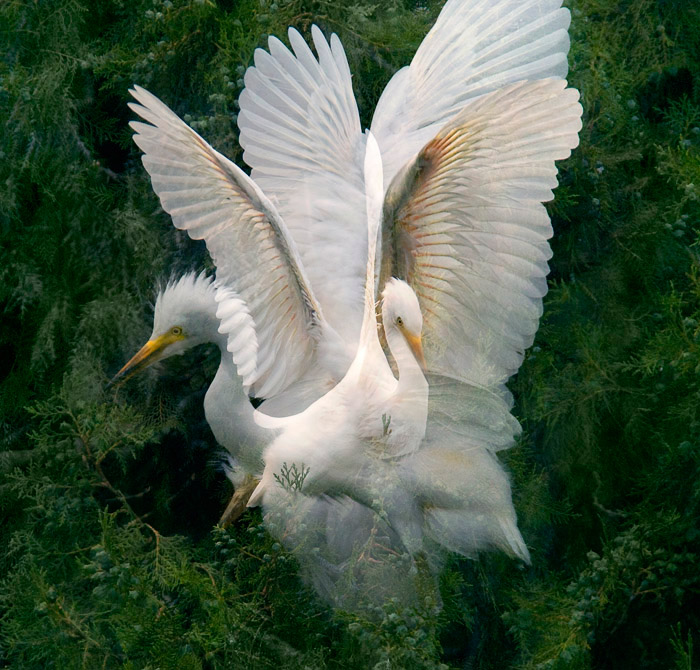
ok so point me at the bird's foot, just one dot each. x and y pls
(239, 501)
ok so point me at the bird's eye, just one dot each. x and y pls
(176, 330)
(399, 321)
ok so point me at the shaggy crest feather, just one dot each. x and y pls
(180, 295)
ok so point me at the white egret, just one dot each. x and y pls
(346, 443)
(365, 437)
(469, 150)
(185, 317)
(463, 222)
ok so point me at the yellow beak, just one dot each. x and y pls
(416, 344)
(148, 354)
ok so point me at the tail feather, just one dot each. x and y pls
(466, 499)
(514, 540)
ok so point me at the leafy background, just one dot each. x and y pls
(109, 498)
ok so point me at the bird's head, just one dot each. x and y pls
(401, 313)
(184, 316)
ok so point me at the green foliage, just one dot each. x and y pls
(291, 478)
(108, 499)
(609, 394)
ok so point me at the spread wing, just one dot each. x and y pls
(464, 224)
(475, 47)
(256, 261)
(300, 131)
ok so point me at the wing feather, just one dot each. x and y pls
(473, 48)
(262, 282)
(301, 135)
(464, 224)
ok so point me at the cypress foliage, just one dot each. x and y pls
(108, 499)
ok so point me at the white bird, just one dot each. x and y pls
(185, 317)
(366, 438)
(468, 149)
(346, 440)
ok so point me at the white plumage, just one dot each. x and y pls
(347, 436)
(185, 317)
(466, 142)
(301, 136)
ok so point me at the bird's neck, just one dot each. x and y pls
(220, 341)
(410, 374)
(206, 310)
(408, 407)
(208, 316)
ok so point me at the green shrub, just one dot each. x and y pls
(109, 498)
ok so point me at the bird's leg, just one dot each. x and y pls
(239, 500)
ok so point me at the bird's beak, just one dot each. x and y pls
(149, 353)
(416, 344)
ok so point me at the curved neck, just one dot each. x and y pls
(220, 341)
(227, 364)
(205, 312)
(409, 405)
(410, 373)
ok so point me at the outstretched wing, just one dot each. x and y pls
(464, 224)
(212, 199)
(474, 47)
(300, 131)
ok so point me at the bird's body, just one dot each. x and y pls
(350, 440)
(344, 437)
